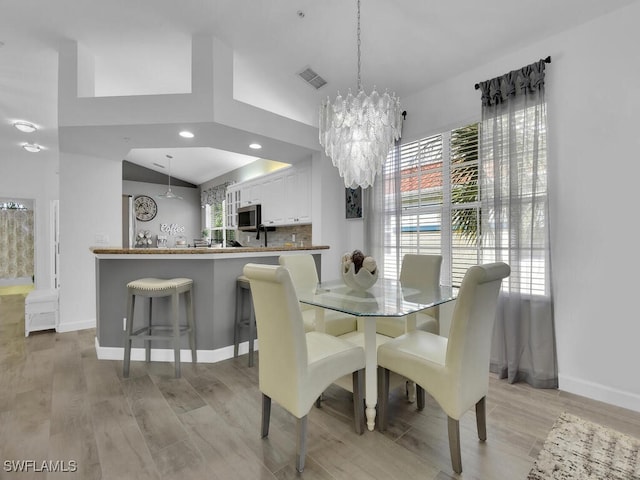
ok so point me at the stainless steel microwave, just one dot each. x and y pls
(249, 218)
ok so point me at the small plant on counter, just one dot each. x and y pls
(205, 233)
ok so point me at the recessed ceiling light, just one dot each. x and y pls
(255, 146)
(32, 147)
(25, 127)
(186, 134)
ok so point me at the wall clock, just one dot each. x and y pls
(145, 208)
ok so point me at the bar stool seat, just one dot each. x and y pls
(154, 288)
(243, 288)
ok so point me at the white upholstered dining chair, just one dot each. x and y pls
(304, 275)
(419, 272)
(454, 371)
(296, 367)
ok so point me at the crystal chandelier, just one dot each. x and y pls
(358, 132)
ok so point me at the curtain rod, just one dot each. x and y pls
(546, 60)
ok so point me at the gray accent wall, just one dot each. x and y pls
(214, 295)
(185, 213)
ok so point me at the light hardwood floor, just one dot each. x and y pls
(59, 402)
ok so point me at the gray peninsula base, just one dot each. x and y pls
(214, 292)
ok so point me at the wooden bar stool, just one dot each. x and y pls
(153, 288)
(243, 288)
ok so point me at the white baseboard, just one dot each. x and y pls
(64, 327)
(166, 355)
(599, 392)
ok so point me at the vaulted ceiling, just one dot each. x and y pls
(143, 47)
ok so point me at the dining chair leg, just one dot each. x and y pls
(410, 391)
(266, 414)
(358, 401)
(420, 397)
(454, 444)
(301, 448)
(481, 418)
(383, 397)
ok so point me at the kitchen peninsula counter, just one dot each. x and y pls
(214, 272)
(204, 250)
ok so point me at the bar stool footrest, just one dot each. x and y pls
(140, 333)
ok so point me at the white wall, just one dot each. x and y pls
(593, 108)
(34, 176)
(330, 227)
(90, 211)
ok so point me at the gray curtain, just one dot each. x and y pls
(383, 208)
(213, 195)
(515, 223)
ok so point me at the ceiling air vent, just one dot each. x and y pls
(312, 78)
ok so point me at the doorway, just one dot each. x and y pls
(17, 246)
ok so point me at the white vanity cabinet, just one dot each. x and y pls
(41, 311)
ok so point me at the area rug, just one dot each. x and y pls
(581, 450)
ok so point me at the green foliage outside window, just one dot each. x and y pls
(464, 181)
(219, 232)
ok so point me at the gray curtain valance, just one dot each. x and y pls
(214, 195)
(517, 82)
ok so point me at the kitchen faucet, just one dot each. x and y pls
(264, 229)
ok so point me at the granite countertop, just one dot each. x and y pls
(199, 250)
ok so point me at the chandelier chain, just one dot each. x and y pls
(359, 54)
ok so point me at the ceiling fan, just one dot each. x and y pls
(169, 194)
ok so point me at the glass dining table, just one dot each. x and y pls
(386, 298)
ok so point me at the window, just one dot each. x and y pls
(217, 223)
(440, 205)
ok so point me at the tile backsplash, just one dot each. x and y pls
(280, 237)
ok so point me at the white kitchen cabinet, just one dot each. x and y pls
(285, 196)
(251, 193)
(273, 201)
(232, 205)
(297, 188)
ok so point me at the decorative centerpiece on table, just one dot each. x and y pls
(359, 272)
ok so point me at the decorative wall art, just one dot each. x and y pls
(353, 202)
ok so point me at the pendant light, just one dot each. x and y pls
(169, 194)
